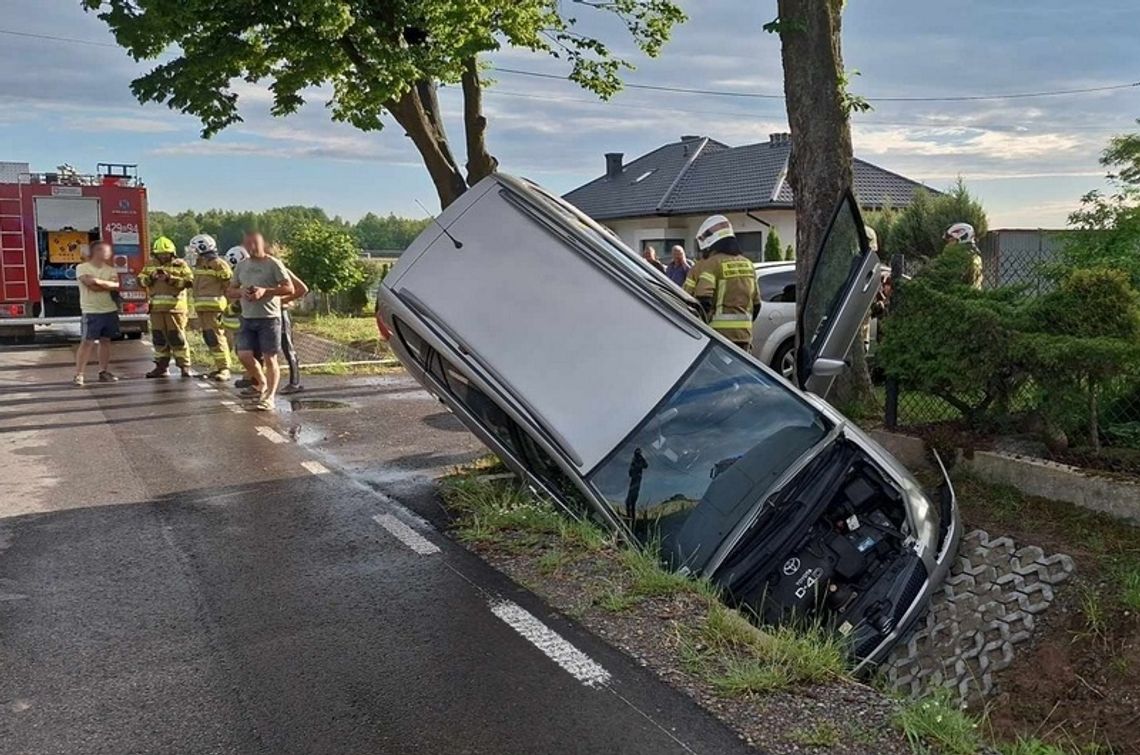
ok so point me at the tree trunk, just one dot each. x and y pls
(480, 163)
(418, 112)
(820, 169)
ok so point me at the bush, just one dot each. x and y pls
(976, 350)
(790, 252)
(358, 297)
(772, 249)
(325, 257)
(918, 229)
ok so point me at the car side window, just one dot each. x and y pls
(778, 287)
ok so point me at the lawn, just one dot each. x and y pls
(357, 332)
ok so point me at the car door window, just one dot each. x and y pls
(841, 288)
(778, 287)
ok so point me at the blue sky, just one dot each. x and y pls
(1028, 159)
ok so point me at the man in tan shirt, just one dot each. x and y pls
(97, 279)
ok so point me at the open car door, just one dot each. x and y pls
(841, 289)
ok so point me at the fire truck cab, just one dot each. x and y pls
(47, 223)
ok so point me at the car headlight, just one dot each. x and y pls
(922, 515)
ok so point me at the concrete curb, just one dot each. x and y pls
(1032, 476)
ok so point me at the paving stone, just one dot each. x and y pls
(987, 606)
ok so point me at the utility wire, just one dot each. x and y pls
(857, 119)
(763, 96)
(705, 92)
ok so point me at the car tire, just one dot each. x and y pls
(135, 335)
(784, 360)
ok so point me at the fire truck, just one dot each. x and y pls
(47, 223)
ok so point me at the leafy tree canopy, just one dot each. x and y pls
(376, 57)
(325, 256)
(919, 229)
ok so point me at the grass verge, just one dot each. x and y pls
(357, 332)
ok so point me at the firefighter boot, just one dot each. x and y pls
(160, 368)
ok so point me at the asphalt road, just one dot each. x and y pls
(180, 576)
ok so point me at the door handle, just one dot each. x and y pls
(869, 280)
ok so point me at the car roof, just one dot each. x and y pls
(550, 315)
(774, 267)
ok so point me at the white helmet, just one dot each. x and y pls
(713, 230)
(203, 243)
(236, 254)
(963, 233)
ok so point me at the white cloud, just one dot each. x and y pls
(136, 125)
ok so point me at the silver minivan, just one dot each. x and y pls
(593, 377)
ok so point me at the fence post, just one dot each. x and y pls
(891, 409)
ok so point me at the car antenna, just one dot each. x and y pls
(457, 242)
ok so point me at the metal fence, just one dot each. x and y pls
(1018, 258)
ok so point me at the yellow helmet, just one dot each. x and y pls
(163, 245)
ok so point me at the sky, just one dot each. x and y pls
(1028, 159)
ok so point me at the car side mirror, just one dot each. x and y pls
(828, 367)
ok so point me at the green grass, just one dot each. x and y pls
(823, 734)
(1130, 590)
(936, 725)
(358, 332)
(739, 658)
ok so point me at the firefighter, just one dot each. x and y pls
(211, 278)
(166, 279)
(725, 282)
(962, 234)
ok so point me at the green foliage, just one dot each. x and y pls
(952, 341)
(367, 54)
(773, 252)
(325, 256)
(227, 226)
(936, 724)
(790, 252)
(375, 233)
(360, 293)
(919, 228)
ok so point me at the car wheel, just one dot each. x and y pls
(135, 335)
(784, 361)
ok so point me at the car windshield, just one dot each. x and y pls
(720, 439)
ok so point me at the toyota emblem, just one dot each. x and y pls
(791, 566)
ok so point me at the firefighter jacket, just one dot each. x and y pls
(167, 292)
(728, 282)
(211, 278)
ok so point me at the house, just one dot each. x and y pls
(662, 197)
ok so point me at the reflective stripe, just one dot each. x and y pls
(726, 322)
(708, 277)
(737, 269)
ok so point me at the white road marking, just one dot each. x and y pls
(271, 435)
(406, 534)
(315, 467)
(579, 665)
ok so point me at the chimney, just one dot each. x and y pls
(613, 164)
(689, 138)
(778, 139)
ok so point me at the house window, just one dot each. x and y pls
(752, 245)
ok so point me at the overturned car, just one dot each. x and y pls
(592, 376)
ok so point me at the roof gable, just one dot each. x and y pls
(705, 176)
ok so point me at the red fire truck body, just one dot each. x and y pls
(47, 222)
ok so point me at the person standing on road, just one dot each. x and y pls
(97, 283)
(259, 282)
(288, 349)
(725, 283)
(166, 280)
(211, 279)
(678, 268)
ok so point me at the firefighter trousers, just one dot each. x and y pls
(168, 332)
(210, 323)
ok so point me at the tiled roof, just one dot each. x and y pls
(703, 176)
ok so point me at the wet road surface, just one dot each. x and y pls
(180, 576)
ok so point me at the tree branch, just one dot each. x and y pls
(480, 162)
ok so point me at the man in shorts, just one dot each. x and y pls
(259, 283)
(100, 313)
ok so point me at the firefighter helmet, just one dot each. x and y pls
(713, 230)
(163, 245)
(236, 254)
(963, 233)
(203, 243)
